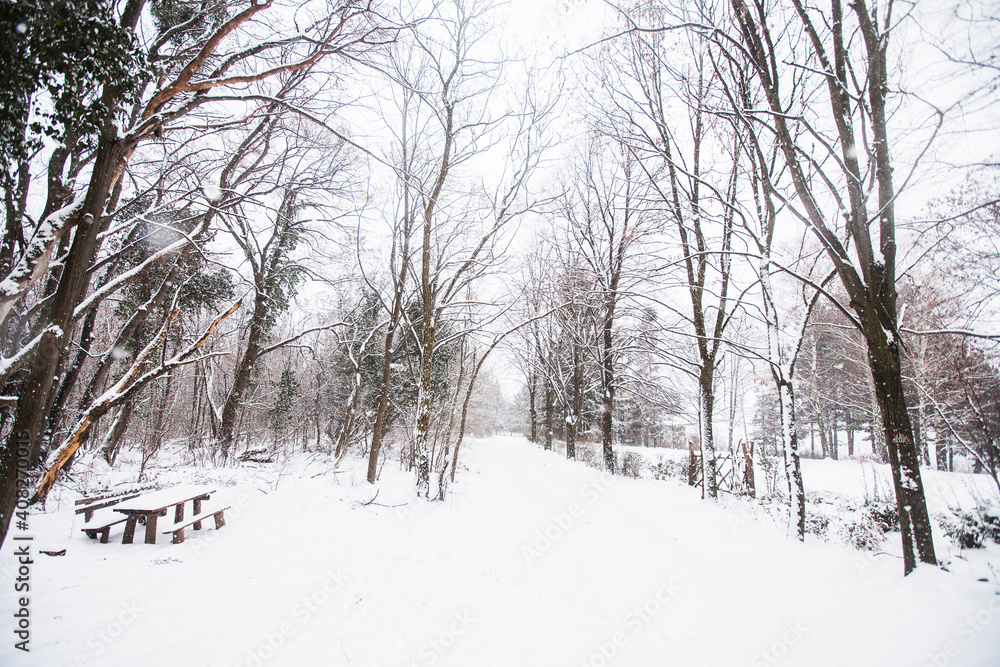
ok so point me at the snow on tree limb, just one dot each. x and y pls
(35, 262)
(131, 382)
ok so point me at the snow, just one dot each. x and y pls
(213, 193)
(164, 497)
(864, 479)
(532, 560)
(30, 265)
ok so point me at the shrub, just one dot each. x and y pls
(668, 469)
(883, 513)
(970, 529)
(631, 465)
(874, 519)
(863, 533)
(817, 525)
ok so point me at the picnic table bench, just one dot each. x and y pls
(151, 506)
(99, 521)
(87, 506)
(178, 527)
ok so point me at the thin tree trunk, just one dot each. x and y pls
(793, 467)
(608, 386)
(834, 443)
(116, 436)
(549, 416)
(706, 401)
(532, 411)
(241, 378)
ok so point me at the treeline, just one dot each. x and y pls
(729, 219)
(248, 225)
(195, 249)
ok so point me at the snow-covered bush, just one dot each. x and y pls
(631, 465)
(669, 469)
(866, 530)
(970, 529)
(590, 453)
(817, 525)
(862, 533)
(773, 476)
(883, 513)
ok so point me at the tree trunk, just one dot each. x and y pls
(73, 372)
(116, 436)
(608, 391)
(878, 431)
(706, 398)
(29, 421)
(549, 417)
(914, 520)
(834, 443)
(793, 467)
(532, 411)
(241, 378)
(421, 455)
(574, 406)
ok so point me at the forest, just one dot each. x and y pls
(373, 230)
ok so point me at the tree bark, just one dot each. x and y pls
(706, 398)
(904, 461)
(793, 467)
(549, 416)
(241, 377)
(532, 411)
(608, 382)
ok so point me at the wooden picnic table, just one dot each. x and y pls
(151, 506)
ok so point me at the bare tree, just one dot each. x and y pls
(301, 171)
(608, 223)
(452, 77)
(847, 54)
(693, 190)
(195, 57)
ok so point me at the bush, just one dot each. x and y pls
(970, 529)
(630, 465)
(863, 533)
(873, 520)
(882, 513)
(668, 469)
(817, 525)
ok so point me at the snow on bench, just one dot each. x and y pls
(90, 505)
(101, 526)
(178, 528)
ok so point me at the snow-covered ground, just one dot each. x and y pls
(532, 560)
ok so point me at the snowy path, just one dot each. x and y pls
(532, 561)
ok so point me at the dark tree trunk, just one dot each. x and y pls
(421, 454)
(549, 416)
(834, 443)
(574, 406)
(29, 420)
(608, 389)
(241, 378)
(914, 520)
(117, 435)
(532, 411)
(73, 372)
(383, 404)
